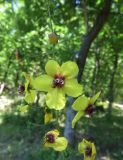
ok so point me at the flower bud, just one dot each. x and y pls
(21, 88)
(53, 38)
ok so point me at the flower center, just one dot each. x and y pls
(58, 81)
(50, 138)
(90, 110)
(88, 151)
(21, 88)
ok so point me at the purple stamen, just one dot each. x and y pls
(90, 109)
(50, 138)
(21, 88)
(58, 81)
(88, 151)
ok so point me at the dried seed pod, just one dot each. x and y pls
(53, 38)
(18, 54)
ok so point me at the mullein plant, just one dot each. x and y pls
(84, 106)
(58, 82)
(28, 89)
(52, 139)
(87, 148)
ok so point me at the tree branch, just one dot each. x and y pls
(89, 38)
(99, 23)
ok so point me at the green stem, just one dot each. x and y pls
(57, 119)
(62, 155)
(49, 14)
(88, 126)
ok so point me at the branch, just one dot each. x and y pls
(100, 21)
(89, 38)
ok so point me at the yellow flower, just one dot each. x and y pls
(53, 38)
(52, 140)
(48, 117)
(27, 88)
(88, 149)
(58, 82)
(84, 105)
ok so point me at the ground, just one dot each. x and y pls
(22, 141)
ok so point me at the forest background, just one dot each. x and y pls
(90, 33)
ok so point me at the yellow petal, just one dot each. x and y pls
(88, 158)
(43, 83)
(69, 69)
(30, 96)
(72, 88)
(52, 68)
(26, 86)
(47, 144)
(80, 103)
(94, 98)
(77, 117)
(60, 144)
(28, 78)
(81, 147)
(55, 99)
(93, 150)
(48, 117)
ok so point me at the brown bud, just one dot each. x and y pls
(18, 54)
(53, 38)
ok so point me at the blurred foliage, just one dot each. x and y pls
(25, 26)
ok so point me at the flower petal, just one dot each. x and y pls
(52, 68)
(26, 86)
(93, 150)
(43, 83)
(88, 158)
(81, 147)
(77, 117)
(47, 144)
(55, 99)
(80, 103)
(48, 117)
(72, 88)
(60, 144)
(94, 98)
(28, 78)
(69, 69)
(30, 96)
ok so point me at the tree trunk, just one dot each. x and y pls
(69, 131)
(88, 39)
